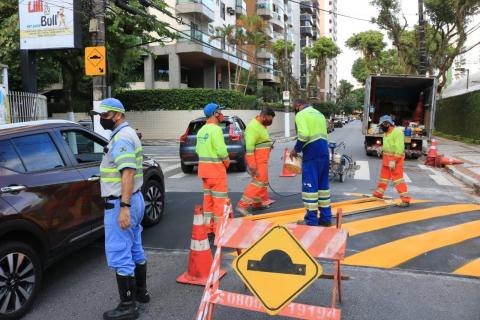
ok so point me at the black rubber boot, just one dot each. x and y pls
(127, 309)
(141, 280)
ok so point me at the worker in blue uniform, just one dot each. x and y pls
(312, 142)
(121, 178)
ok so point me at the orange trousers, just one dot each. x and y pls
(396, 175)
(257, 190)
(214, 196)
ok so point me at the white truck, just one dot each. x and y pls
(409, 100)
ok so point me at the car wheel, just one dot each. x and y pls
(20, 279)
(185, 168)
(154, 195)
(241, 166)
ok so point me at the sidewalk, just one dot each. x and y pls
(469, 172)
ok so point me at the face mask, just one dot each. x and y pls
(107, 124)
(220, 117)
(267, 122)
(384, 127)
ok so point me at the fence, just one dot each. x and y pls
(26, 106)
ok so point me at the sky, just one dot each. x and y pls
(347, 27)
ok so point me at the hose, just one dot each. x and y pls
(282, 195)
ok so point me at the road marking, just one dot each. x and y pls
(171, 168)
(424, 167)
(406, 178)
(441, 180)
(394, 253)
(367, 225)
(177, 176)
(364, 172)
(470, 269)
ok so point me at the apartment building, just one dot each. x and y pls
(470, 59)
(193, 60)
(318, 20)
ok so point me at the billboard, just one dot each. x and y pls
(48, 24)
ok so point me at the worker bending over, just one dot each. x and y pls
(258, 145)
(392, 162)
(312, 141)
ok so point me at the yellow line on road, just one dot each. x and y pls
(394, 253)
(470, 269)
(367, 225)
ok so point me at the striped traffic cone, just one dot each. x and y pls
(432, 154)
(200, 257)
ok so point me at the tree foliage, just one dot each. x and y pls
(278, 50)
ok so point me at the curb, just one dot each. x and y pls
(464, 178)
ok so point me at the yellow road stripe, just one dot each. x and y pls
(394, 253)
(367, 225)
(470, 269)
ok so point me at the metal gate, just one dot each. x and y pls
(26, 106)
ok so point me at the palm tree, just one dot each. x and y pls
(227, 34)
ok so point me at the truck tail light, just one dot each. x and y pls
(378, 142)
(414, 144)
(233, 135)
(183, 137)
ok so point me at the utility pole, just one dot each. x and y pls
(97, 30)
(422, 50)
(286, 63)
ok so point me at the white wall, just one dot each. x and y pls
(172, 124)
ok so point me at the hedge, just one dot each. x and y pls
(184, 99)
(459, 116)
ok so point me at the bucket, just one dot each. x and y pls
(293, 165)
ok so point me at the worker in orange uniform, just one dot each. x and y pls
(213, 163)
(258, 145)
(392, 163)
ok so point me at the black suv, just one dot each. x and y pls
(50, 202)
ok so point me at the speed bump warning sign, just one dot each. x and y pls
(95, 61)
(277, 269)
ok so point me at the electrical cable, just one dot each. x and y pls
(331, 12)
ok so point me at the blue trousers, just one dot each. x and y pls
(123, 247)
(315, 190)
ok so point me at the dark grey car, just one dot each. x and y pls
(234, 133)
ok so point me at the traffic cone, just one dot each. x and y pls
(432, 154)
(285, 171)
(447, 161)
(200, 257)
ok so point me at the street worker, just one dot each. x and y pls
(312, 142)
(393, 152)
(213, 163)
(121, 179)
(258, 146)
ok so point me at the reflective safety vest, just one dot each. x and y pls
(258, 142)
(123, 151)
(212, 152)
(394, 143)
(311, 126)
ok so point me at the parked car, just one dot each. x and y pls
(234, 133)
(50, 202)
(87, 123)
(337, 123)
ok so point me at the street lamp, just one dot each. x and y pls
(468, 73)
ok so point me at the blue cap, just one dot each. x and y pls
(109, 104)
(210, 109)
(388, 119)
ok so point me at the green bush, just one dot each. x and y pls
(459, 116)
(277, 106)
(184, 99)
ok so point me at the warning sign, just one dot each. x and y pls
(277, 269)
(95, 61)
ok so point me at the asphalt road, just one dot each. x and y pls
(419, 285)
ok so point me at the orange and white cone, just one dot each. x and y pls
(200, 257)
(447, 162)
(432, 154)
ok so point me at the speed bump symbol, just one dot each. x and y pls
(276, 261)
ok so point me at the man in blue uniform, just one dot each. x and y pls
(312, 141)
(121, 178)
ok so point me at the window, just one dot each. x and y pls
(38, 152)
(83, 146)
(9, 158)
(222, 10)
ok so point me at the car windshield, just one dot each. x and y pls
(194, 127)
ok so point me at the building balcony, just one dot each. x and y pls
(306, 30)
(197, 36)
(277, 21)
(306, 6)
(240, 7)
(196, 8)
(263, 53)
(264, 9)
(268, 74)
(269, 31)
(306, 18)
